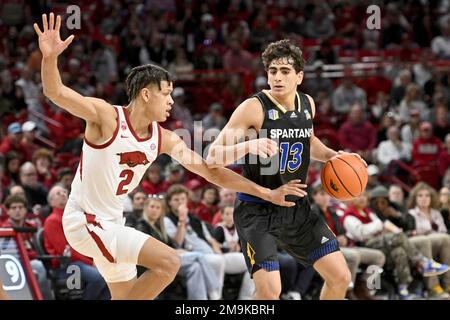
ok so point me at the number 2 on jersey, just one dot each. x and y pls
(128, 175)
(295, 151)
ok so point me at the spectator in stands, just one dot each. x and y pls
(56, 244)
(404, 222)
(29, 130)
(395, 26)
(192, 234)
(318, 83)
(236, 58)
(132, 217)
(181, 67)
(16, 207)
(353, 254)
(376, 84)
(260, 33)
(152, 183)
(397, 196)
(410, 131)
(421, 69)
(12, 141)
(423, 206)
(65, 177)
(227, 198)
(348, 94)
(292, 23)
(103, 63)
(226, 234)
(444, 206)
(215, 118)
(35, 192)
(393, 148)
(444, 157)
(201, 280)
(43, 161)
(441, 121)
(233, 93)
(373, 176)
(399, 88)
(12, 168)
(320, 25)
(440, 45)
(387, 121)
(365, 228)
(179, 110)
(174, 175)
(207, 207)
(426, 148)
(410, 101)
(357, 134)
(68, 133)
(325, 53)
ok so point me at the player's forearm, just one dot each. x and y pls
(224, 155)
(231, 180)
(51, 79)
(319, 151)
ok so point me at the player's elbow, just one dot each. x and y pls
(51, 93)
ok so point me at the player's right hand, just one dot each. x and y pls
(50, 42)
(293, 187)
(263, 147)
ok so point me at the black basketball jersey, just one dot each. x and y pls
(292, 130)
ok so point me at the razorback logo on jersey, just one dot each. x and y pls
(133, 158)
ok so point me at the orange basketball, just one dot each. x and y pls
(344, 177)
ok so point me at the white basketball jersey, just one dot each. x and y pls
(108, 172)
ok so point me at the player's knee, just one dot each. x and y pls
(343, 278)
(172, 264)
(269, 291)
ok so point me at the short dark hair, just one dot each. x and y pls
(15, 198)
(283, 49)
(174, 190)
(142, 76)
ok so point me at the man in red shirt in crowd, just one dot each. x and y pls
(56, 244)
(12, 141)
(357, 134)
(426, 147)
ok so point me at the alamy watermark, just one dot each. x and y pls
(373, 22)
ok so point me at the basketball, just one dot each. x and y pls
(344, 177)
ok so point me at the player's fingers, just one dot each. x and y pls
(51, 21)
(287, 204)
(262, 154)
(68, 41)
(295, 181)
(44, 22)
(58, 22)
(36, 28)
(296, 192)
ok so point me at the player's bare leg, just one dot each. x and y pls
(333, 269)
(163, 263)
(268, 285)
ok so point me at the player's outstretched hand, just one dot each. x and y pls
(355, 154)
(50, 42)
(263, 147)
(293, 187)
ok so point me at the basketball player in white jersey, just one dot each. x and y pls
(119, 146)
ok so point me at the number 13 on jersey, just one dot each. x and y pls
(295, 150)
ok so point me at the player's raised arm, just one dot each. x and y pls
(52, 46)
(228, 147)
(172, 145)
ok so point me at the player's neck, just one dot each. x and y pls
(138, 119)
(287, 100)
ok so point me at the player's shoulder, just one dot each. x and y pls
(251, 105)
(311, 103)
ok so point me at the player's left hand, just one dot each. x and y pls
(293, 187)
(355, 154)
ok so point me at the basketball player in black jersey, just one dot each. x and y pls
(282, 119)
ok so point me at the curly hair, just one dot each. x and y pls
(142, 76)
(412, 203)
(283, 49)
